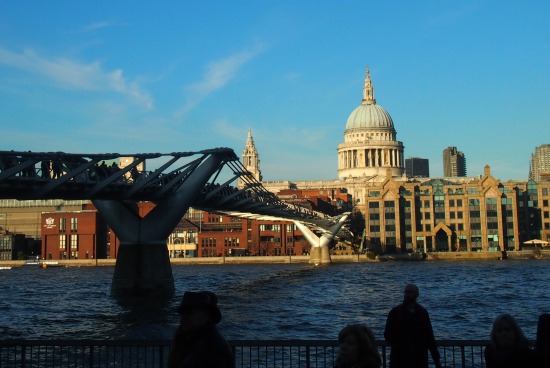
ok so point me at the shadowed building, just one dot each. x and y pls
(417, 167)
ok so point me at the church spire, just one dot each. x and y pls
(250, 159)
(368, 91)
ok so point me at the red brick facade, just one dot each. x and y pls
(73, 235)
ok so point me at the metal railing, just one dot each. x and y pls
(248, 353)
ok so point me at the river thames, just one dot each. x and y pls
(277, 301)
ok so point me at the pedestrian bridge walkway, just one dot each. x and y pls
(248, 353)
(213, 180)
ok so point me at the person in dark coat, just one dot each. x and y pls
(409, 333)
(543, 340)
(197, 341)
(509, 348)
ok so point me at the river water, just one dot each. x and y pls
(277, 301)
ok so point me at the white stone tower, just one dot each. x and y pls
(251, 159)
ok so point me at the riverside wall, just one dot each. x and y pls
(352, 258)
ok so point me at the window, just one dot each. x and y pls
(63, 242)
(62, 224)
(389, 204)
(374, 205)
(459, 202)
(451, 203)
(74, 242)
(74, 223)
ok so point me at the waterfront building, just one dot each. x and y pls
(469, 214)
(540, 163)
(417, 167)
(405, 214)
(73, 235)
(454, 163)
(222, 235)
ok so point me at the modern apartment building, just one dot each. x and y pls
(417, 167)
(454, 163)
(540, 163)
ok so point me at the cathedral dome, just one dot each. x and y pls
(369, 116)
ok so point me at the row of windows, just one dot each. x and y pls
(73, 242)
(63, 224)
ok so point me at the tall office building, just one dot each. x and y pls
(417, 167)
(540, 163)
(454, 163)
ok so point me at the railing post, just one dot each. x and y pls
(91, 358)
(308, 357)
(463, 355)
(23, 356)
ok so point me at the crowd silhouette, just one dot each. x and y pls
(408, 332)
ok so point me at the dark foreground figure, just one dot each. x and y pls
(197, 342)
(358, 348)
(509, 348)
(410, 334)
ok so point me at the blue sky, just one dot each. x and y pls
(137, 76)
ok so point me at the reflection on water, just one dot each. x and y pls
(277, 301)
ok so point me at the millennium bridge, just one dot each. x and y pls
(202, 179)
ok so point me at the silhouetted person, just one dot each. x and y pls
(409, 333)
(197, 342)
(509, 348)
(358, 348)
(45, 169)
(543, 340)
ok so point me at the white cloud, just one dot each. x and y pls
(98, 25)
(217, 75)
(69, 74)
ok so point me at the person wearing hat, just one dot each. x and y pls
(197, 341)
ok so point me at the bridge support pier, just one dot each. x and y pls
(320, 255)
(143, 264)
(319, 252)
(143, 270)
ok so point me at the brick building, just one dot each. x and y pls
(73, 235)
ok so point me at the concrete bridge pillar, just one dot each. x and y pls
(320, 252)
(143, 264)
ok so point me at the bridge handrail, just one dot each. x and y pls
(248, 353)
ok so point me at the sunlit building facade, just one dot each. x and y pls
(540, 163)
(470, 214)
